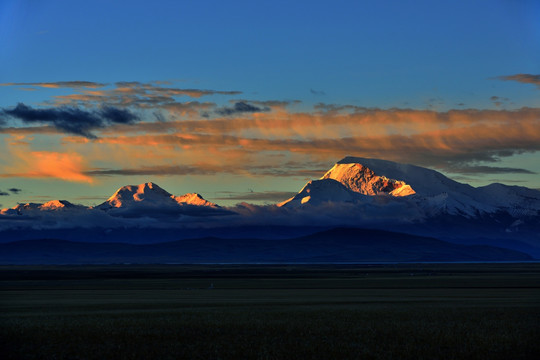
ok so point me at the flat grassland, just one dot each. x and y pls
(423, 311)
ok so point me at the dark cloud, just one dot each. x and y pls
(335, 108)
(317, 92)
(499, 100)
(155, 88)
(269, 103)
(273, 196)
(522, 78)
(60, 84)
(152, 170)
(434, 102)
(287, 169)
(72, 120)
(240, 108)
(10, 191)
(117, 116)
(489, 170)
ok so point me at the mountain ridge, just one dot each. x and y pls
(145, 195)
(339, 245)
(355, 192)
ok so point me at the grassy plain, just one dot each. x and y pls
(424, 311)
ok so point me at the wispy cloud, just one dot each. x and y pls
(271, 196)
(60, 84)
(45, 164)
(498, 101)
(10, 191)
(287, 169)
(317, 92)
(136, 94)
(522, 78)
(478, 169)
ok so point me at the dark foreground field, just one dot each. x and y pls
(436, 311)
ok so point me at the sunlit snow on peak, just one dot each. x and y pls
(361, 179)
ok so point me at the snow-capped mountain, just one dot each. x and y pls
(53, 205)
(429, 190)
(129, 195)
(320, 191)
(149, 199)
(193, 199)
(59, 205)
(150, 195)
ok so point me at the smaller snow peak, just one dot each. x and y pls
(321, 191)
(56, 205)
(404, 190)
(193, 199)
(20, 208)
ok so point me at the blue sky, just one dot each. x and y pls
(420, 55)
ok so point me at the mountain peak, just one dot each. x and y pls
(52, 205)
(320, 191)
(136, 193)
(56, 205)
(20, 208)
(151, 194)
(424, 181)
(193, 199)
(433, 191)
(360, 178)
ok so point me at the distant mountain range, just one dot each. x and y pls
(354, 193)
(148, 196)
(342, 245)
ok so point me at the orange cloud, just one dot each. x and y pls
(135, 94)
(432, 146)
(328, 133)
(282, 124)
(45, 164)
